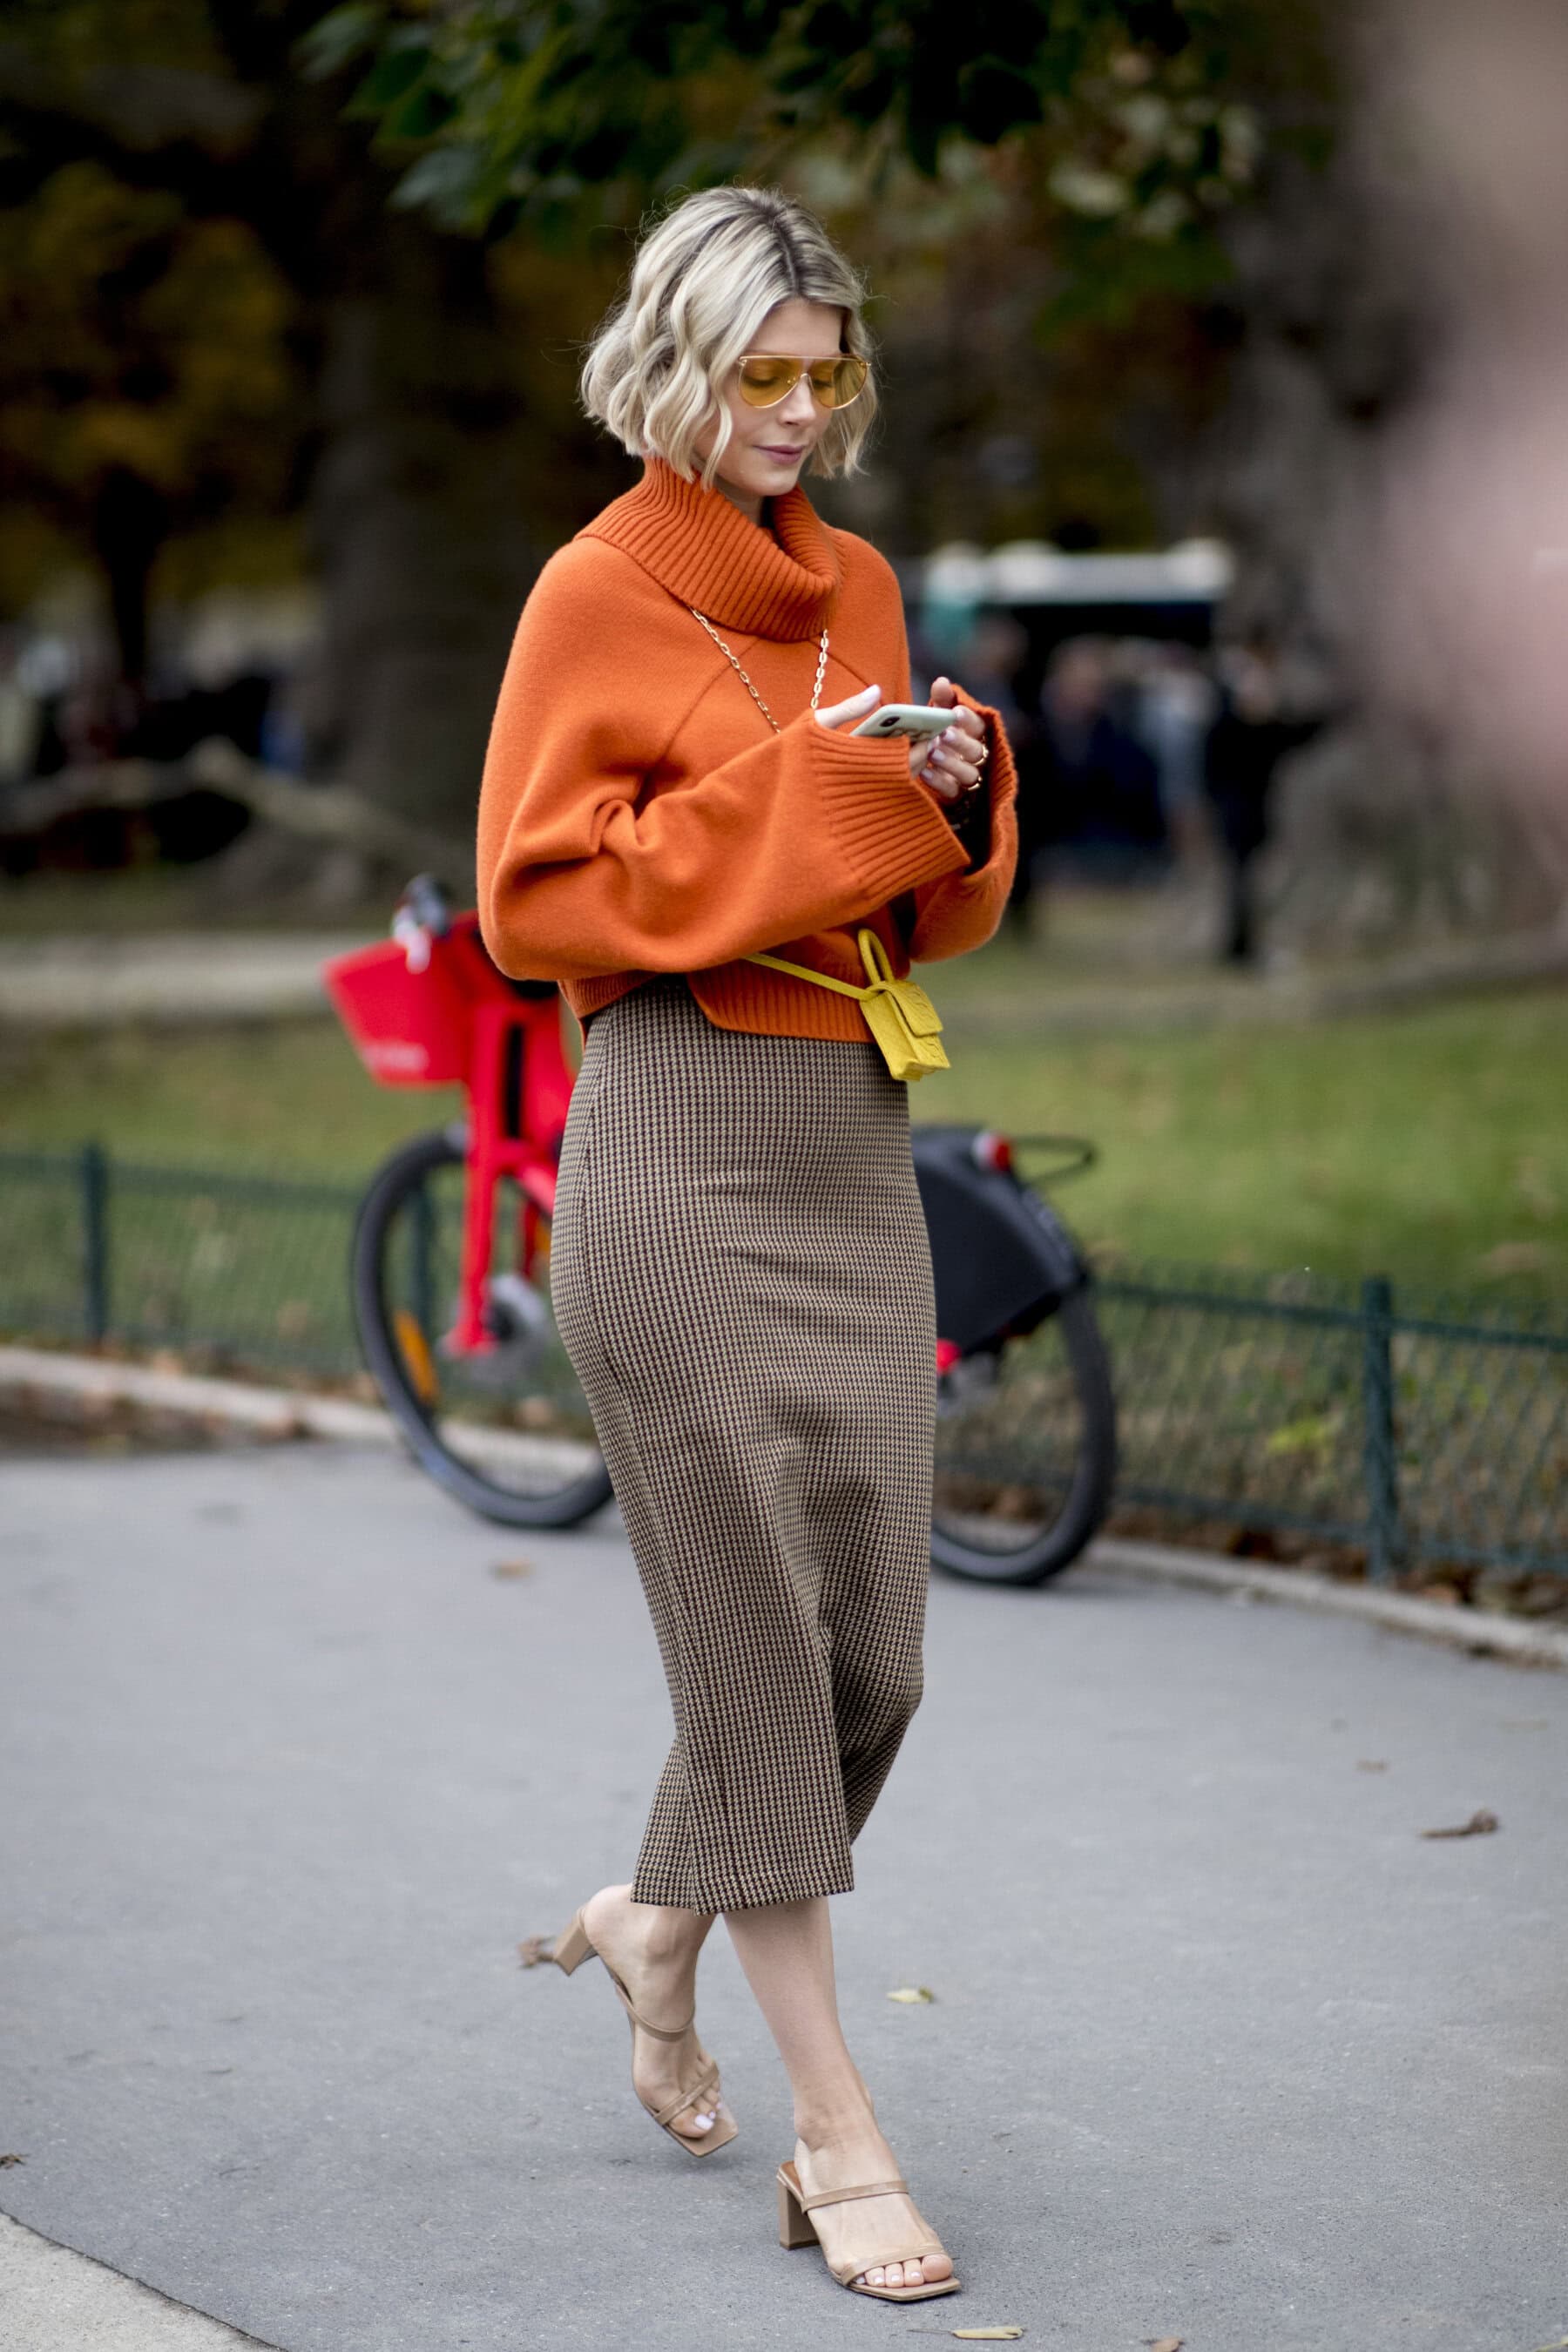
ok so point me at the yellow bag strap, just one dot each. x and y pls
(873, 955)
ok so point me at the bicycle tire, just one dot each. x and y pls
(1091, 1486)
(389, 1190)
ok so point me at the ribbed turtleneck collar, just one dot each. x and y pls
(699, 545)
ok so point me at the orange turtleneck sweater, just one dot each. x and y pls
(638, 813)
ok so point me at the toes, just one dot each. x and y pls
(935, 2267)
(874, 2278)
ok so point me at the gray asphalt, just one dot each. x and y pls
(1221, 2047)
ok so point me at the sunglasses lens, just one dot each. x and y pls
(838, 382)
(765, 380)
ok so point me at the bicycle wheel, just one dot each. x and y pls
(1026, 1451)
(509, 1432)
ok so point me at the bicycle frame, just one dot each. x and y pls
(429, 1008)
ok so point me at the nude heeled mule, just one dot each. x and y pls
(796, 2227)
(569, 1950)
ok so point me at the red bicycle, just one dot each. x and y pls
(451, 1288)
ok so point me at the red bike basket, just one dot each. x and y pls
(409, 1028)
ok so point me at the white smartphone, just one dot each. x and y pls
(916, 718)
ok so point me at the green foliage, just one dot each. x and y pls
(558, 111)
(134, 336)
(147, 333)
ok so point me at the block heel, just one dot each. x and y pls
(572, 1947)
(568, 1950)
(796, 2228)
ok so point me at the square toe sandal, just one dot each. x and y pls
(569, 1950)
(796, 2227)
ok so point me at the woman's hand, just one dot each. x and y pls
(949, 764)
(952, 764)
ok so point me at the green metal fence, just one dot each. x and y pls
(1416, 1426)
(230, 1269)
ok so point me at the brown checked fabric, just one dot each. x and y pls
(742, 1278)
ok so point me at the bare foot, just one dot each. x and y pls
(842, 2155)
(654, 1952)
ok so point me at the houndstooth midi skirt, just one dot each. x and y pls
(742, 1279)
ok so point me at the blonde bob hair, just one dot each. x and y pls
(703, 280)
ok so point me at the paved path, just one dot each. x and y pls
(97, 979)
(52, 2300)
(100, 979)
(1221, 2049)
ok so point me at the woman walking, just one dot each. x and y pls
(740, 1268)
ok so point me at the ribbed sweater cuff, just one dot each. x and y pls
(891, 835)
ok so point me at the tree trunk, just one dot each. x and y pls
(1391, 832)
(130, 522)
(422, 546)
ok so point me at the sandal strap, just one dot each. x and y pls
(847, 2196)
(695, 2095)
(659, 2032)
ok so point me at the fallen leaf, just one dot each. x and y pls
(1370, 1764)
(1561, 2346)
(1479, 1824)
(909, 1994)
(13, 2159)
(988, 2335)
(1518, 1257)
(1165, 2343)
(512, 1568)
(1306, 1436)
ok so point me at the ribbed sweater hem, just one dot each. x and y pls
(891, 835)
(741, 996)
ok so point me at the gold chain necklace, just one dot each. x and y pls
(745, 681)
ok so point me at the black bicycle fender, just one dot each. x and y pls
(1001, 1258)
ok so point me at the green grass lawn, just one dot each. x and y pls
(1431, 1145)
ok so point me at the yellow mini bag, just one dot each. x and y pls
(899, 1014)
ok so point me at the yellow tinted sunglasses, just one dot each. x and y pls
(766, 378)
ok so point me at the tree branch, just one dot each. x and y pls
(322, 812)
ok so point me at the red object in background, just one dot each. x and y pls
(411, 1028)
(993, 1150)
(430, 1009)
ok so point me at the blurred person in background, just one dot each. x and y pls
(1096, 802)
(994, 652)
(21, 713)
(739, 1264)
(1177, 703)
(1251, 734)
